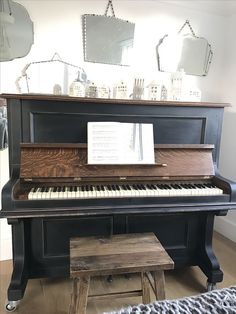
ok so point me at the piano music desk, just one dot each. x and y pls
(118, 254)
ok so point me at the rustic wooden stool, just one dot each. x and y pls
(118, 254)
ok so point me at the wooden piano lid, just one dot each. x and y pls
(69, 161)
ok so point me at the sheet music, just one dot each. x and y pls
(120, 143)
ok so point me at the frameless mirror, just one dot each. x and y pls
(184, 51)
(16, 31)
(41, 76)
(107, 39)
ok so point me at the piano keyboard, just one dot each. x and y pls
(123, 190)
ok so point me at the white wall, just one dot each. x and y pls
(57, 26)
(227, 225)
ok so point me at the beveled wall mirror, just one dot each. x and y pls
(16, 31)
(184, 51)
(107, 39)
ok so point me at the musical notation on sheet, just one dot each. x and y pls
(120, 143)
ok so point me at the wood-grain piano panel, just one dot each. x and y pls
(70, 161)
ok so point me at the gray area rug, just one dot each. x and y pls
(221, 301)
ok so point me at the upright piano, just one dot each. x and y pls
(53, 193)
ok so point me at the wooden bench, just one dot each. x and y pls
(118, 254)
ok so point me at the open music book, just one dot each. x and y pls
(120, 143)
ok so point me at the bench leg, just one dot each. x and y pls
(74, 296)
(159, 283)
(145, 288)
(80, 295)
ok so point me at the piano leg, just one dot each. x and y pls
(20, 264)
(207, 259)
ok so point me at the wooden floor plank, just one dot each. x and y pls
(52, 296)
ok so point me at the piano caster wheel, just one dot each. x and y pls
(11, 306)
(211, 286)
(109, 279)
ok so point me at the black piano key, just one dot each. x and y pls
(167, 187)
(143, 187)
(200, 186)
(179, 187)
(191, 186)
(184, 185)
(153, 186)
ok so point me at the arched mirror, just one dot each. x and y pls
(16, 31)
(184, 51)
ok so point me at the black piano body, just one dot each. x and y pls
(41, 229)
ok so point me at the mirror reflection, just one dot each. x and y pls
(191, 53)
(16, 31)
(107, 39)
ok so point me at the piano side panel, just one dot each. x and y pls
(14, 116)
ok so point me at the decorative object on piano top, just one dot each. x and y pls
(164, 93)
(57, 89)
(138, 89)
(97, 90)
(77, 87)
(16, 31)
(107, 39)
(157, 90)
(91, 90)
(193, 54)
(178, 88)
(120, 90)
(182, 88)
(41, 76)
(192, 93)
(154, 90)
(104, 91)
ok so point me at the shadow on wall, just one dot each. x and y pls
(228, 146)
